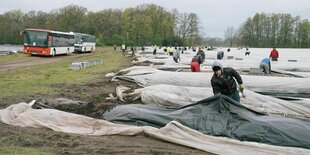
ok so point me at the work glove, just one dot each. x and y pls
(241, 87)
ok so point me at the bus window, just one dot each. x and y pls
(62, 40)
(35, 38)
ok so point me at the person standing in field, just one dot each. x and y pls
(247, 52)
(274, 55)
(155, 50)
(220, 55)
(170, 51)
(201, 53)
(176, 55)
(133, 50)
(123, 47)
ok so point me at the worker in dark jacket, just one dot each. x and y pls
(201, 53)
(220, 55)
(195, 65)
(223, 81)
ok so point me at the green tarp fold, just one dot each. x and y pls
(219, 116)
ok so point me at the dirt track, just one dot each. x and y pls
(62, 143)
(35, 60)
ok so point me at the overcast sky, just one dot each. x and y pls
(215, 15)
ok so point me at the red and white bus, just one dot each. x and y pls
(47, 42)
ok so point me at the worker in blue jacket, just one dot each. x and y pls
(266, 66)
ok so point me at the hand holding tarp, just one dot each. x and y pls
(241, 87)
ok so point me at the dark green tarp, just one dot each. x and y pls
(219, 116)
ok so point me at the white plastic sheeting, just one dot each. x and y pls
(177, 96)
(151, 60)
(199, 79)
(289, 68)
(24, 116)
(137, 70)
(302, 56)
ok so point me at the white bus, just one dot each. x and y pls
(84, 42)
(47, 42)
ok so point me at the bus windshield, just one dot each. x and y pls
(35, 38)
(84, 38)
(78, 39)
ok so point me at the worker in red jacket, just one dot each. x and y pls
(196, 61)
(274, 55)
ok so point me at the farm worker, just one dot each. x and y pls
(114, 47)
(223, 81)
(266, 66)
(182, 50)
(274, 55)
(195, 65)
(155, 50)
(194, 49)
(170, 51)
(220, 55)
(132, 49)
(247, 52)
(123, 48)
(201, 53)
(165, 49)
(176, 55)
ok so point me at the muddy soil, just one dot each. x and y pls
(62, 143)
(95, 93)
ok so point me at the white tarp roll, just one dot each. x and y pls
(178, 96)
(287, 68)
(199, 79)
(24, 116)
(137, 70)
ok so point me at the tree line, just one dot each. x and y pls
(146, 24)
(271, 30)
(150, 24)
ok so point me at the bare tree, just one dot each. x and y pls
(188, 26)
(229, 35)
